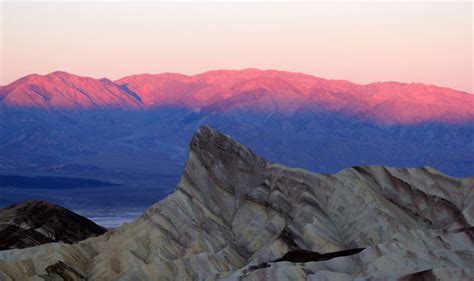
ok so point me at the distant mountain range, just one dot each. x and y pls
(134, 131)
(246, 90)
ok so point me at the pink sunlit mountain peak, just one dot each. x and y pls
(62, 90)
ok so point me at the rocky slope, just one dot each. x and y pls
(32, 223)
(235, 216)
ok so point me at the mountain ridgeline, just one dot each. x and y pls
(62, 124)
(246, 90)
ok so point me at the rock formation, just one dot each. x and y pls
(235, 216)
(32, 223)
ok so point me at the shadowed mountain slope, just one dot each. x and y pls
(33, 223)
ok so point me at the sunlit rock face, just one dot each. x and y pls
(235, 216)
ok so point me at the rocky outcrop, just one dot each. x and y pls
(32, 223)
(235, 216)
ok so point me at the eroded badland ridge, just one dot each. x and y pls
(235, 216)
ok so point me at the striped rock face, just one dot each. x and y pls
(235, 216)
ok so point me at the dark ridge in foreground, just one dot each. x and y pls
(309, 256)
(302, 256)
(64, 271)
(32, 223)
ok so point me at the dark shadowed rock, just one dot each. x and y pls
(309, 256)
(32, 223)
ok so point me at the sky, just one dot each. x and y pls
(363, 42)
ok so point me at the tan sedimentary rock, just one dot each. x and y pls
(233, 213)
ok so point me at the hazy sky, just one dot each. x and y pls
(361, 42)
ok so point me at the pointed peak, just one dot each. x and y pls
(212, 147)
